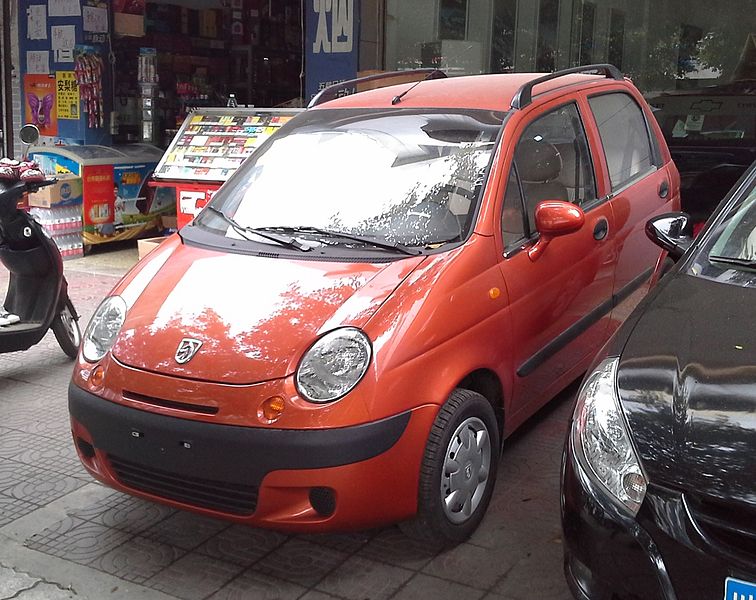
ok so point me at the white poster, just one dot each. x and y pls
(38, 62)
(36, 22)
(95, 19)
(63, 37)
(63, 8)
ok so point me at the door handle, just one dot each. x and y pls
(601, 229)
(664, 189)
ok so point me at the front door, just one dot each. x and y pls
(560, 302)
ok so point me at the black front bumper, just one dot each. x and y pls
(660, 554)
(168, 455)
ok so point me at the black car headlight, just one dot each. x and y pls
(602, 442)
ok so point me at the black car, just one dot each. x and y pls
(659, 467)
(711, 133)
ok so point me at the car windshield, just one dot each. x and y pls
(729, 255)
(405, 176)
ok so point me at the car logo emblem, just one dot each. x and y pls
(186, 350)
(468, 471)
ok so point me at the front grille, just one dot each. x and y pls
(232, 498)
(731, 525)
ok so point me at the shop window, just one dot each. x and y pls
(503, 36)
(553, 161)
(587, 27)
(624, 136)
(548, 21)
(452, 19)
(512, 223)
(616, 38)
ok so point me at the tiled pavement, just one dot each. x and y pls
(63, 536)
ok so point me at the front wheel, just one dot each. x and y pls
(458, 471)
(65, 326)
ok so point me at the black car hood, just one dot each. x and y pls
(687, 382)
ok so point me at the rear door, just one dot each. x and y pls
(560, 302)
(640, 186)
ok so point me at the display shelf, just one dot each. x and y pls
(213, 142)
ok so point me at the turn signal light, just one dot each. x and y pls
(271, 409)
(97, 378)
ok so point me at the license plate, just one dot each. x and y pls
(735, 589)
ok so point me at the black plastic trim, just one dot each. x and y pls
(228, 453)
(524, 95)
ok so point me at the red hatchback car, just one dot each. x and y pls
(378, 297)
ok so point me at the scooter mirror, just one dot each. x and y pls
(29, 134)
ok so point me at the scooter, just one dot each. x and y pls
(37, 296)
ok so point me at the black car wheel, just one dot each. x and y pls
(65, 326)
(458, 471)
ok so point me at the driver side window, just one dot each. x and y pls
(553, 161)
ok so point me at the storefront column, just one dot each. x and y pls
(526, 38)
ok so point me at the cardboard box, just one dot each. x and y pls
(147, 245)
(169, 222)
(66, 191)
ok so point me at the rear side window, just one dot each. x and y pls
(624, 136)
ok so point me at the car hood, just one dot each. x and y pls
(254, 316)
(687, 383)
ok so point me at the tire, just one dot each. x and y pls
(450, 508)
(65, 326)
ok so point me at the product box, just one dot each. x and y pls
(145, 246)
(66, 191)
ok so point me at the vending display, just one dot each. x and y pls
(117, 202)
(211, 144)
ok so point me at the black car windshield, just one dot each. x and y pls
(729, 255)
(408, 177)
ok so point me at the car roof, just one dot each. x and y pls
(488, 92)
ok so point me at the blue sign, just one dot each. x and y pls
(332, 43)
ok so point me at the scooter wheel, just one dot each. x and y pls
(65, 326)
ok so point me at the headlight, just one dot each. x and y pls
(103, 329)
(602, 441)
(333, 365)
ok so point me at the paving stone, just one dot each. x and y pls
(13, 508)
(257, 586)
(473, 566)
(301, 562)
(78, 541)
(242, 545)
(124, 512)
(365, 579)
(194, 577)
(393, 547)
(46, 591)
(185, 530)
(422, 587)
(138, 559)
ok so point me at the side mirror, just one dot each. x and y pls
(29, 135)
(673, 232)
(552, 219)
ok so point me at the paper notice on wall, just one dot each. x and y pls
(36, 22)
(95, 19)
(63, 37)
(64, 56)
(37, 62)
(67, 91)
(64, 8)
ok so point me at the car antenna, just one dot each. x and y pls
(432, 75)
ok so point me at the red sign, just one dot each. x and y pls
(40, 103)
(99, 194)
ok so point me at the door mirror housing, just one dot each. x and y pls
(673, 232)
(552, 219)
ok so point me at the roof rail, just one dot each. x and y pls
(332, 91)
(524, 95)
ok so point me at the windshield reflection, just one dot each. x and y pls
(407, 176)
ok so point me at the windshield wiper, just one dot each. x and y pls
(289, 242)
(350, 236)
(735, 261)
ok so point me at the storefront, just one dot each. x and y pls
(128, 62)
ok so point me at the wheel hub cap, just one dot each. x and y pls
(466, 470)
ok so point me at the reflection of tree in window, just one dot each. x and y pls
(452, 20)
(548, 17)
(616, 38)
